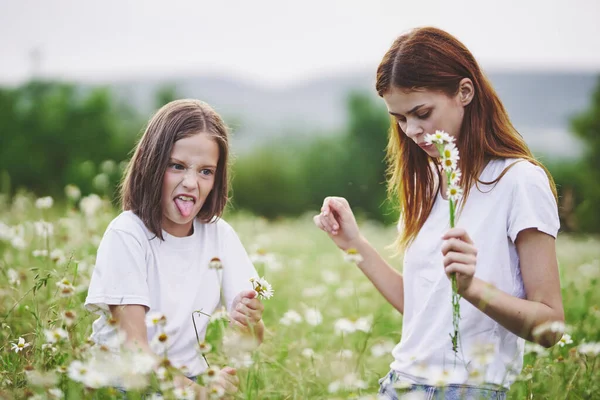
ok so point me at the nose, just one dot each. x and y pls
(189, 179)
(413, 129)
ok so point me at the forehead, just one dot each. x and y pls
(200, 147)
(400, 101)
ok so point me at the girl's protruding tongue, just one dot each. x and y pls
(185, 206)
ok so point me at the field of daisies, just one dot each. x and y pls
(329, 333)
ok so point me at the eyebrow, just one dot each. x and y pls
(414, 109)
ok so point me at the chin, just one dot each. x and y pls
(180, 220)
(433, 153)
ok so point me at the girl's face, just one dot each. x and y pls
(188, 180)
(418, 112)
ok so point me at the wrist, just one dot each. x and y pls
(475, 292)
(201, 392)
(357, 243)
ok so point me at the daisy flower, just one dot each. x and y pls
(55, 335)
(550, 326)
(262, 288)
(44, 202)
(215, 263)
(77, 371)
(160, 343)
(72, 192)
(313, 316)
(216, 392)
(65, 288)
(156, 318)
(455, 177)
(211, 374)
(20, 345)
(590, 349)
(204, 348)
(449, 157)
(565, 339)
(439, 137)
(290, 317)
(184, 393)
(454, 192)
(352, 256)
(308, 352)
(69, 317)
(13, 277)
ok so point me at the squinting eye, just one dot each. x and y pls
(176, 166)
(206, 172)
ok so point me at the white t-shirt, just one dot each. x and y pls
(171, 276)
(492, 216)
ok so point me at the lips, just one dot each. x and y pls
(186, 197)
(424, 145)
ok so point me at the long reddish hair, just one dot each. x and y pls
(432, 59)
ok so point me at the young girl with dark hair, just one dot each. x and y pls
(154, 257)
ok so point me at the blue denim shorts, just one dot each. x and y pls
(448, 392)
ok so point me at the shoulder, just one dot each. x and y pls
(216, 227)
(514, 172)
(129, 223)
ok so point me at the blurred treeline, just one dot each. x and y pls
(53, 134)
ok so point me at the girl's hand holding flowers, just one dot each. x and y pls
(460, 257)
(246, 310)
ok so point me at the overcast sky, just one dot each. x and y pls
(279, 42)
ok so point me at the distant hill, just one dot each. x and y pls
(540, 104)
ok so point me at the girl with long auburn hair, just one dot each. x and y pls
(502, 249)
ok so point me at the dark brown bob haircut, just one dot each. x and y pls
(142, 185)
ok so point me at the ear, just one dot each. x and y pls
(466, 91)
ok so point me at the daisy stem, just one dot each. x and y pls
(592, 369)
(197, 336)
(455, 295)
(221, 297)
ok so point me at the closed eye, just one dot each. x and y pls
(424, 115)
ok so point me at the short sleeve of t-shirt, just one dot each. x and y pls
(120, 275)
(237, 267)
(532, 202)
